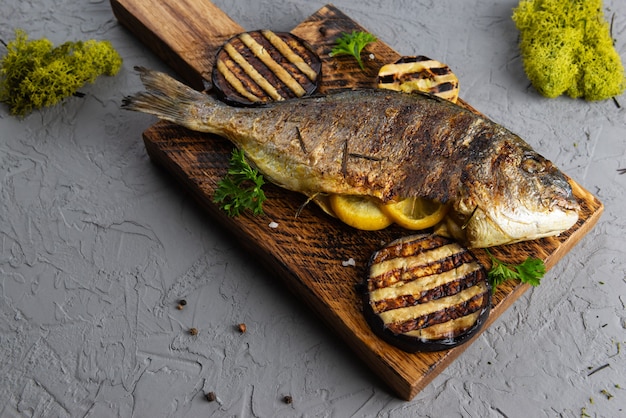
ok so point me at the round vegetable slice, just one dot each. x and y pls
(359, 212)
(425, 292)
(415, 213)
(420, 73)
(254, 68)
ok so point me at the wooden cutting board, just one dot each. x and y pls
(307, 251)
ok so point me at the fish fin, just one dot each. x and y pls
(166, 98)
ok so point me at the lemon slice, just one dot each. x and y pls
(359, 212)
(415, 213)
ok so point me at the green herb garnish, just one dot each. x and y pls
(240, 189)
(529, 271)
(35, 74)
(352, 44)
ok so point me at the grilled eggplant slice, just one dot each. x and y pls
(420, 73)
(426, 292)
(257, 67)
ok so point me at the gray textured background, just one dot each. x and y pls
(97, 245)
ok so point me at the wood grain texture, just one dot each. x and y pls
(183, 33)
(307, 251)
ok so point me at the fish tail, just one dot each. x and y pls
(167, 98)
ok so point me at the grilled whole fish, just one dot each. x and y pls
(387, 145)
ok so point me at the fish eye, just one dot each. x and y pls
(533, 164)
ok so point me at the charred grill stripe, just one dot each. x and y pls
(433, 297)
(449, 288)
(420, 74)
(273, 54)
(387, 79)
(291, 54)
(417, 70)
(263, 72)
(261, 53)
(407, 269)
(408, 59)
(252, 72)
(445, 70)
(272, 66)
(409, 247)
(239, 72)
(464, 308)
(235, 82)
(426, 73)
(426, 282)
(446, 330)
(437, 308)
(440, 88)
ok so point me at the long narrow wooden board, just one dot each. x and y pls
(307, 251)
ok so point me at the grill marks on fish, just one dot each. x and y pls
(427, 286)
(434, 172)
(369, 155)
(385, 145)
(361, 150)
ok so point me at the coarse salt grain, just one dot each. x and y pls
(349, 262)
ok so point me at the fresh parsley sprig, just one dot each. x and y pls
(241, 188)
(529, 271)
(352, 44)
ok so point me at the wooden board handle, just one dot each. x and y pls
(172, 28)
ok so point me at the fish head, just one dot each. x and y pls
(516, 195)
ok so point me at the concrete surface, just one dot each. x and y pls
(97, 246)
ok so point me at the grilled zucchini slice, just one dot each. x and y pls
(420, 73)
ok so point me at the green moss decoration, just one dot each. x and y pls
(567, 48)
(34, 73)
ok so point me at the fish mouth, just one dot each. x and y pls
(559, 195)
(567, 204)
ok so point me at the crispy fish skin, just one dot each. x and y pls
(388, 145)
